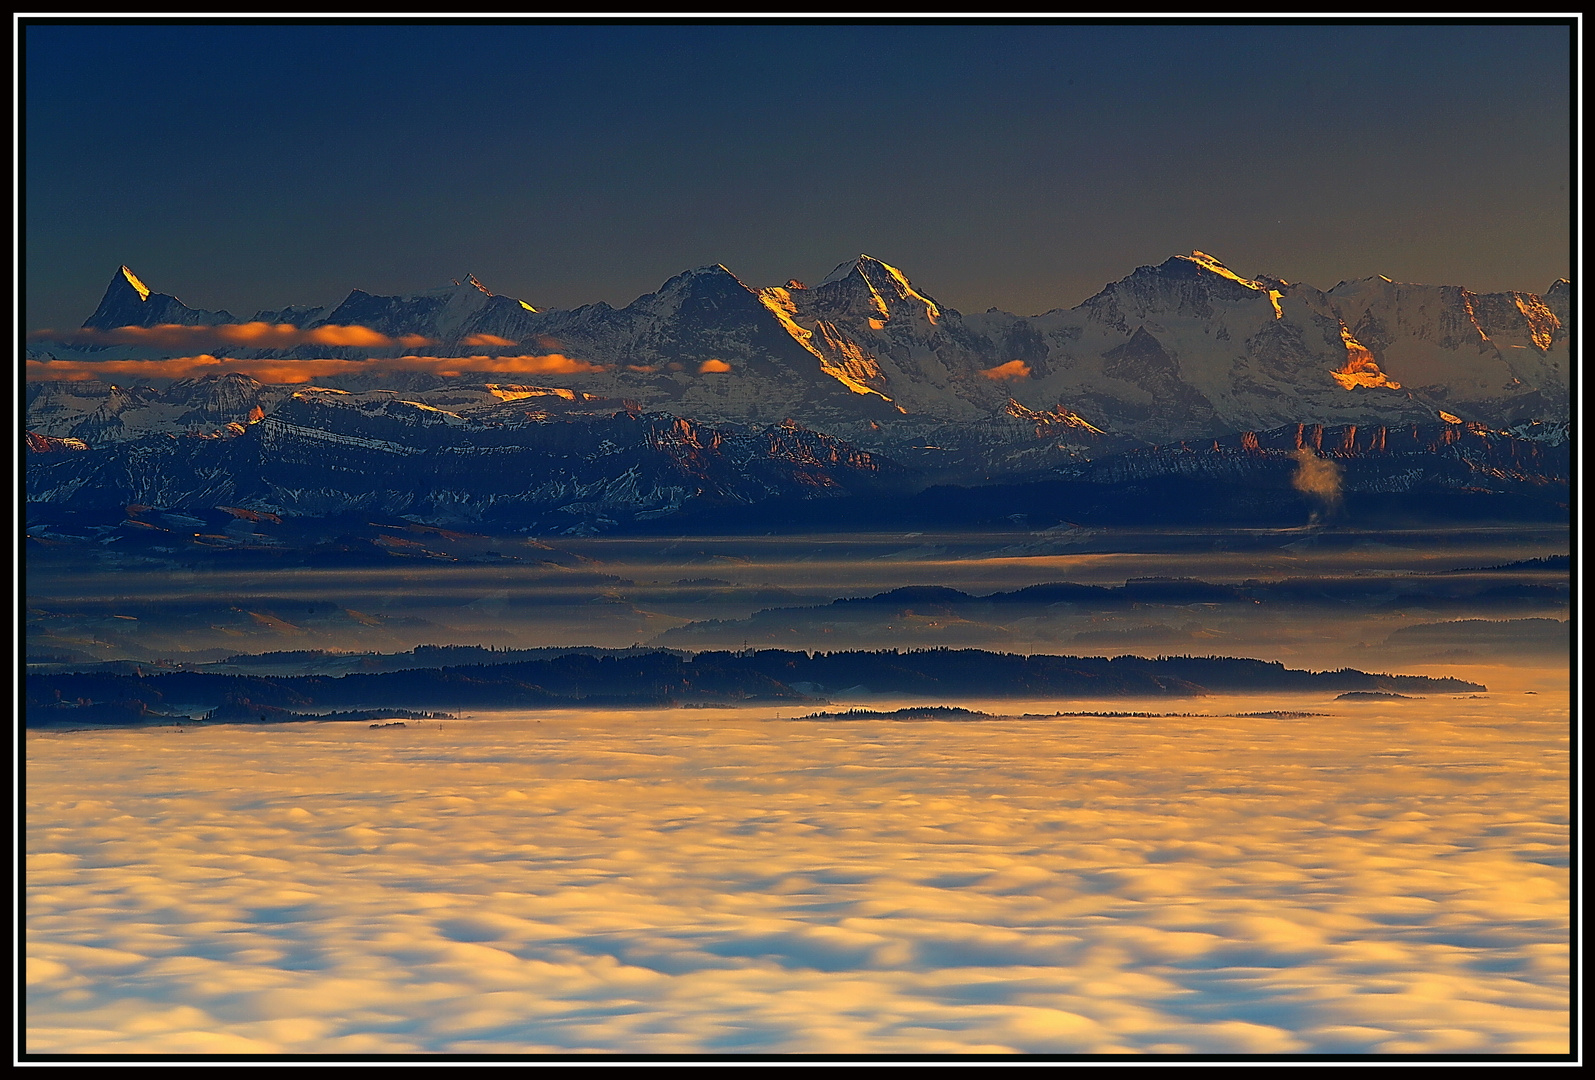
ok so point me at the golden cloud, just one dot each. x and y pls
(1013, 369)
(360, 337)
(272, 370)
(255, 335)
(712, 367)
(477, 341)
(1317, 476)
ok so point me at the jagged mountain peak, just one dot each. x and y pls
(1186, 285)
(124, 295)
(230, 378)
(714, 278)
(714, 272)
(463, 294)
(843, 269)
(1380, 282)
(887, 287)
(1182, 270)
(872, 270)
(130, 302)
(1201, 260)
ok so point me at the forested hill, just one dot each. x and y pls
(661, 678)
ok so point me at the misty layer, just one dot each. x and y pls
(1308, 598)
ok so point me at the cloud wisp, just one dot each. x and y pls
(274, 370)
(253, 335)
(1317, 476)
(1013, 369)
(1390, 878)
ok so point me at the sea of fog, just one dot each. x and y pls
(1387, 877)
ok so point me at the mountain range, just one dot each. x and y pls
(712, 391)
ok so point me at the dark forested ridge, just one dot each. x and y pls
(661, 678)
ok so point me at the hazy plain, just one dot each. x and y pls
(1386, 876)
(702, 593)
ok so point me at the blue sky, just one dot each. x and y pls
(248, 166)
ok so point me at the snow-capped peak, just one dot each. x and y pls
(130, 302)
(869, 268)
(843, 269)
(881, 277)
(715, 273)
(1207, 262)
(473, 282)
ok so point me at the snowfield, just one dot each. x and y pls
(1388, 878)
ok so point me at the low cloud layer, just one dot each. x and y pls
(273, 370)
(254, 335)
(1387, 879)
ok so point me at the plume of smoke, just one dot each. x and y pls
(1318, 477)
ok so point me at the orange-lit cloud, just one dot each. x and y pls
(711, 367)
(479, 340)
(549, 364)
(1129, 931)
(1013, 369)
(273, 370)
(254, 335)
(1317, 476)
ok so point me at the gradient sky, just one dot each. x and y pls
(1020, 167)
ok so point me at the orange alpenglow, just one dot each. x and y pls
(1013, 369)
(300, 371)
(713, 367)
(1360, 368)
(254, 335)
